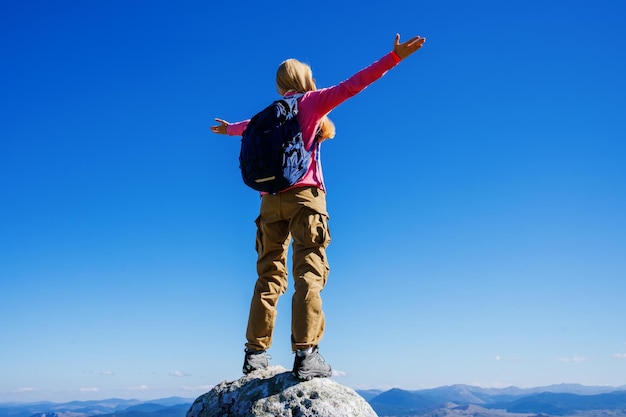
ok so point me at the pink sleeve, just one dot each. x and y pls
(324, 100)
(236, 129)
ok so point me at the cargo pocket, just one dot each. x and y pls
(323, 232)
(310, 229)
(311, 237)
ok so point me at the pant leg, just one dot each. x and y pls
(271, 244)
(311, 236)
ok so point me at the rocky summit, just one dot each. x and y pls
(274, 392)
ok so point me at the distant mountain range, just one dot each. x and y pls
(449, 401)
(466, 400)
(166, 407)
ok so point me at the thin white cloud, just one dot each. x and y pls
(574, 359)
(179, 374)
(339, 373)
(620, 356)
(107, 373)
(25, 389)
(92, 389)
(139, 388)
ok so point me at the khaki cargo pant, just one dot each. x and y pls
(299, 214)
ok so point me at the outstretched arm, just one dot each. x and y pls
(407, 48)
(323, 100)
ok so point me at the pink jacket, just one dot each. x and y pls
(314, 105)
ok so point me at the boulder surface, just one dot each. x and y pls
(274, 392)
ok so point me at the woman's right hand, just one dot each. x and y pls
(221, 128)
(407, 48)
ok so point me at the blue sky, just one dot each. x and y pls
(477, 193)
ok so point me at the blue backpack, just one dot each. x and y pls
(273, 156)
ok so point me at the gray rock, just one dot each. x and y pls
(274, 392)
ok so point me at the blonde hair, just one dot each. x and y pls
(293, 75)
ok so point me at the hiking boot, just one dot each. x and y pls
(310, 364)
(255, 360)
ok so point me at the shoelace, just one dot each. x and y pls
(318, 357)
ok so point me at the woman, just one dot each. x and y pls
(299, 213)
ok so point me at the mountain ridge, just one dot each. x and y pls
(556, 400)
(451, 401)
